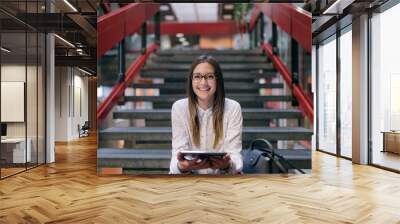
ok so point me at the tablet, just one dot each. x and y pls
(189, 155)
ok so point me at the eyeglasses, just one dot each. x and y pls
(197, 77)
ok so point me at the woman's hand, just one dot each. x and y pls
(220, 163)
(188, 165)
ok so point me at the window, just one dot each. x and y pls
(346, 93)
(23, 77)
(385, 85)
(327, 96)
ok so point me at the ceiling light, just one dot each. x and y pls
(185, 12)
(185, 43)
(70, 5)
(79, 50)
(5, 50)
(338, 6)
(194, 12)
(84, 71)
(179, 35)
(229, 6)
(164, 8)
(169, 17)
(227, 16)
(65, 41)
(182, 39)
(207, 12)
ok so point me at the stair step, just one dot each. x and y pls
(155, 134)
(228, 76)
(224, 67)
(242, 98)
(248, 114)
(247, 104)
(167, 123)
(210, 52)
(220, 58)
(136, 171)
(160, 158)
(160, 145)
(134, 158)
(228, 86)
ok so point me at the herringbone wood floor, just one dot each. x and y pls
(69, 191)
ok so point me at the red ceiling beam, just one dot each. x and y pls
(200, 28)
(291, 19)
(120, 23)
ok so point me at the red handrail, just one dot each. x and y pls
(305, 103)
(119, 88)
(120, 23)
(293, 20)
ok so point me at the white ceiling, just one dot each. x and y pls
(195, 12)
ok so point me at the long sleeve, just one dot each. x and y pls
(180, 138)
(233, 140)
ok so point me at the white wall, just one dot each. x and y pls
(61, 103)
(33, 126)
(71, 94)
(84, 85)
(13, 73)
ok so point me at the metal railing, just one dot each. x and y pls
(112, 30)
(296, 22)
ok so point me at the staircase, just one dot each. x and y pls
(147, 149)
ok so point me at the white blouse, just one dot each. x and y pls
(230, 143)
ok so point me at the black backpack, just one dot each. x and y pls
(261, 157)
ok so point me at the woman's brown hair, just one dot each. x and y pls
(218, 105)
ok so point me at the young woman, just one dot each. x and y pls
(206, 121)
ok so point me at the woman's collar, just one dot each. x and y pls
(204, 111)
